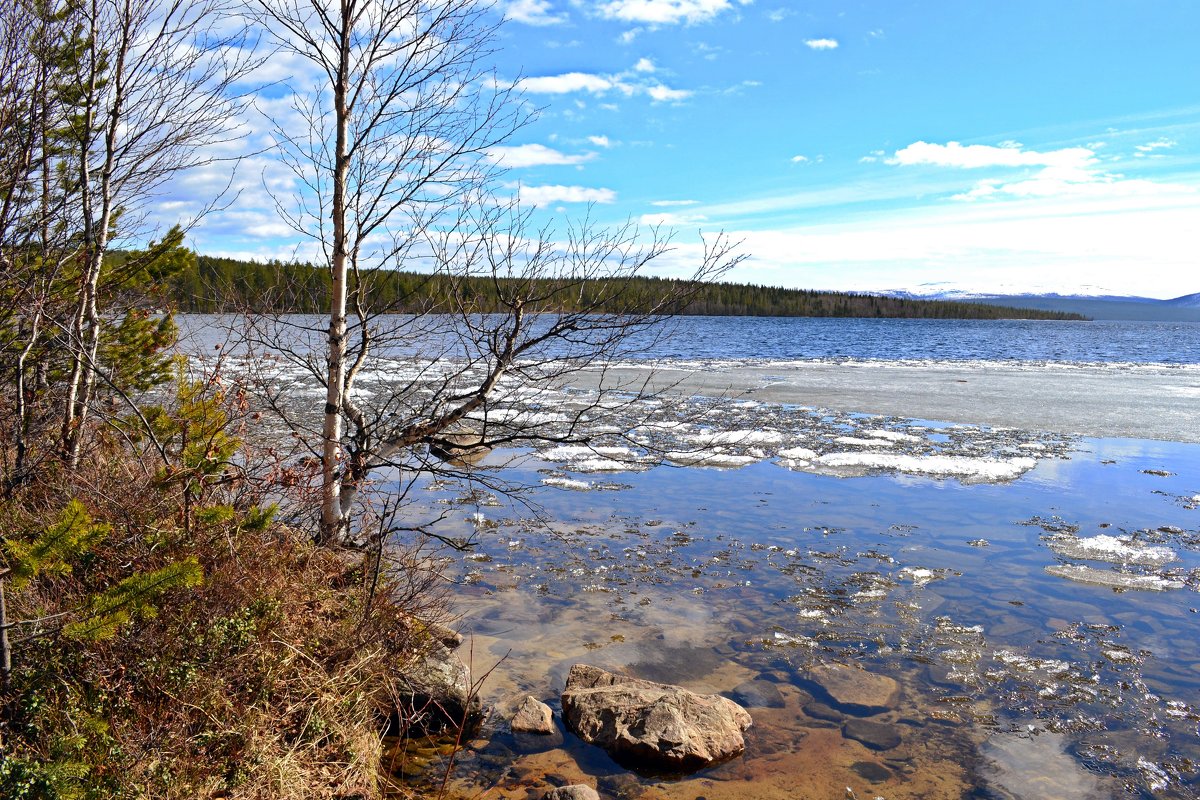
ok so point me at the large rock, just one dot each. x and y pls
(533, 716)
(855, 690)
(435, 693)
(651, 725)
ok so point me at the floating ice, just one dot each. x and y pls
(710, 458)
(965, 468)
(918, 575)
(1113, 549)
(1113, 579)
(567, 483)
(894, 436)
(854, 441)
(798, 454)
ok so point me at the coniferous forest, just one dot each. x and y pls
(213, 284)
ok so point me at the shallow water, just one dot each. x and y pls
(1017, 682)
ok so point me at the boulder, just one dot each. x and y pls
(435, 693)
(577, 791)
(652, 726)
(533, 716)
(854, 690)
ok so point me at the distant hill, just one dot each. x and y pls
(214, 284)
(1180, 309)
(1092, 302)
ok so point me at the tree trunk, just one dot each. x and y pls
(334, 518)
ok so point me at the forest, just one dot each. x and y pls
(213, 284)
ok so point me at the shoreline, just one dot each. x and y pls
(1075, 400)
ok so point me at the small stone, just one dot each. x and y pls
(875, 735)
(757, 694)
(855, 690)
(533, 716)
(576, 791)
(871, 771)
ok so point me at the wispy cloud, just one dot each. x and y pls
(800, 159)
(534, 155)
(532, 12)
(1162, 143)
(600, 141)
(671, 220)
(632, 82)
(644, 65)
(975, 156)
(666, 12)
(673, 203)
(821, 44)
(566, 83)
(551, 194)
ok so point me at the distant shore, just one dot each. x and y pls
(1106, 402)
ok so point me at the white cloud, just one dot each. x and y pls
(549, 195)
(532, 12)
(600, 141)
(565, 83)
(644, 65)
(665, 12)
(673, 203)
(1162, 143)
(629, 83)
(670, 220)
(821, 44)
(779, 14)
(1135, 243)
(534, 155)
(663, 94)
(974, 156)
(799, 159)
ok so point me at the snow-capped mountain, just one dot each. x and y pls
(950, 291)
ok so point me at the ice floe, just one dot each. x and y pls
(965, 468)
(1113, 549)
(1081, 573)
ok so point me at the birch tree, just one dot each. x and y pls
(387, 134)
(157, 96)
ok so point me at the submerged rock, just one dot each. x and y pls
(577, 791)
(652, 725)
(533, 716)
(757, 694)
(855, 690)
(875, 735)
(871, 771)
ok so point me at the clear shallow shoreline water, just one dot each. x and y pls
(1016, 681)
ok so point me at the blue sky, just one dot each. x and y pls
(863, 145)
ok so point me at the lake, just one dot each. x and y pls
(1002, 517)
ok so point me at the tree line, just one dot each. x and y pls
(215, 284)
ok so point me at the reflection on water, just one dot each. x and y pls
(1016, 680)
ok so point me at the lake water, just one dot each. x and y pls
(1033, 591)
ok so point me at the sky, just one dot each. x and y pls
(975, 145)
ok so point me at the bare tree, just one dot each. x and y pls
(388, 145)
(157, 96)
